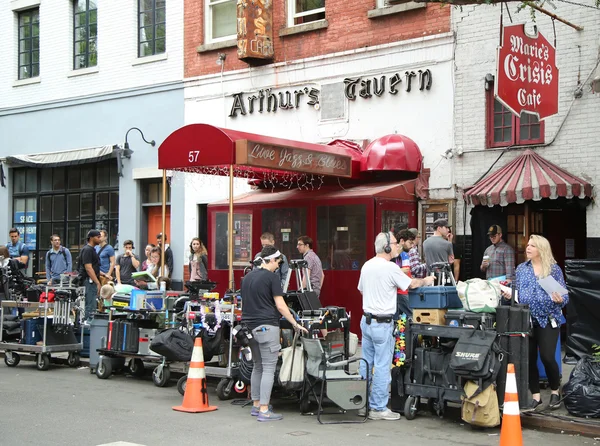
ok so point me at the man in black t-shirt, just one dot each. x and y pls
(127, 263)
(89, 270)
(263, 307)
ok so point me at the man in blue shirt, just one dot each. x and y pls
(17, 249)
(107, 258)
(58, 261)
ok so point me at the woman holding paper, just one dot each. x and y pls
(534, 278)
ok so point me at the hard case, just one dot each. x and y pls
(434, 297)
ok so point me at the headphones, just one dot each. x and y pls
(388, 246)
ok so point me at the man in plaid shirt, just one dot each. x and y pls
(418, 269)
(499, 257)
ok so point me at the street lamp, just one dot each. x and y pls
(126, 145)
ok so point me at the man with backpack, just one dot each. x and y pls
(58, 261)
(17, 249)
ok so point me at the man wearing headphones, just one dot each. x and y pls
(127, 263)
(263, 307)
(378, 283)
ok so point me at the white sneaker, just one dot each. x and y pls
(386, 414)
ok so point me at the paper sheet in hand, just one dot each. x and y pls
(550, 285)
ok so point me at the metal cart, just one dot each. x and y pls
(424, 380)
(111, 360)
(43, 351)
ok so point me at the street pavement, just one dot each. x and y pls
(66, 407)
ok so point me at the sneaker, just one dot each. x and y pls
(555, 402)
(385, 414)
(534, 405)
(269, 416)
(256, 410)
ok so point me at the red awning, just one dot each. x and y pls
(527, 177)
(399, 190)
(198, 146)
(392, 152)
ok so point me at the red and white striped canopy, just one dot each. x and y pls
(527, 177)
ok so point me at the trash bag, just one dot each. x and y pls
(173, 344)
(582, 392)
(213, 343)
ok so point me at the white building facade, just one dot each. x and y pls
(568, 139)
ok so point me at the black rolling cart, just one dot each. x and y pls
(427, 373)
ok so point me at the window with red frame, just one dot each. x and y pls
(505, 129)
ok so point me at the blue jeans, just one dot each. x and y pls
(378, 351)
(91, 302)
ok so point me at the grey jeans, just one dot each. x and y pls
(265, 348)
(91, 302)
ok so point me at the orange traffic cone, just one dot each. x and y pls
(511, 433)
(196, 394)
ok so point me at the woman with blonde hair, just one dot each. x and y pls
(546, 314)
(198, 261)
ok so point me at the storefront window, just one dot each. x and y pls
(242, 240)
(341, 234)
(286, 225)
(64, 201)
(391, 218)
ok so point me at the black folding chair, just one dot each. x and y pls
(347, 391)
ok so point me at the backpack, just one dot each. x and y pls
(480, 408)
(476, 357)
(61, 251)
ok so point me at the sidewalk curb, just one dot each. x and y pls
(573, 426)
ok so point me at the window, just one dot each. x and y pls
(68, 202)
(221, 20)
(341, 235)
(85, 34)
(286, 225)
(29, 44)
(152, 27)
(305, 11)
(506, 129)
(242, 240)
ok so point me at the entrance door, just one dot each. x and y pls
(155, 223)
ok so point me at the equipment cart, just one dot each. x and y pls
(427, 373)
(116, 349)
(61, 328)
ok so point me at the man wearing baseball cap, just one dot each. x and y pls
(436, 248)
(499, 257)
(89, 271)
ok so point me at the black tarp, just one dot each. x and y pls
(583, 310)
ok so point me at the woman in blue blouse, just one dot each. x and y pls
(546, 314)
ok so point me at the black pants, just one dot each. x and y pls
(546, 339)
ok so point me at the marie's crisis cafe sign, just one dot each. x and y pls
(526, 74)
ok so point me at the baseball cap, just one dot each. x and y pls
(415, 231)
(440, 223)
(494, 229)
(93, 233)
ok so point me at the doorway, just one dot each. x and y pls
(155, 222)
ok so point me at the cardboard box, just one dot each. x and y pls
(429, 316)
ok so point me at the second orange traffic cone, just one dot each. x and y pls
(195, 398)
(511, 433)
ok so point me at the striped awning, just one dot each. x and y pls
(527, 177)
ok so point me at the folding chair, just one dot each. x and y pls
(348, 392)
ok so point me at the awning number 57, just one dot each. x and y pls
(193, 156)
